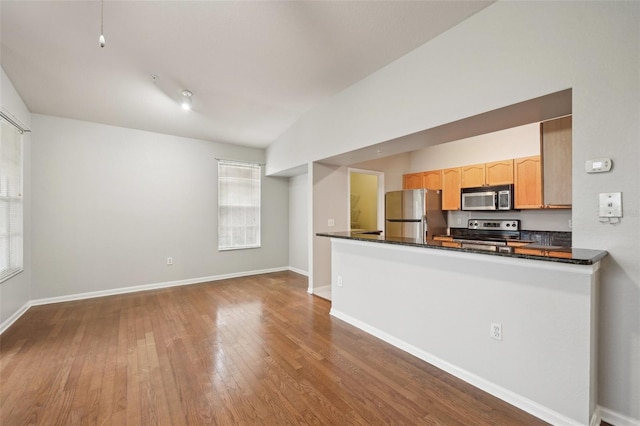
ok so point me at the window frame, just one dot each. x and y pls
(14, 250)
(225, 203)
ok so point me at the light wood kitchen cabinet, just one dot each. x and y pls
(412, 181)
(499, 172)
(432, 179)
(451, 189)
(472, 176)
(527, 177)
(555, 147)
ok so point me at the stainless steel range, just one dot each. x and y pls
(487, 234)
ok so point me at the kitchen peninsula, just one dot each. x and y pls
(517, 323)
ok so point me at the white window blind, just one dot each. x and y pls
(10, 200)
(238, 205)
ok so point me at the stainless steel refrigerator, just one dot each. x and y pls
(415, 214)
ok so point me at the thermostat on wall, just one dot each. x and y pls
(598, 165)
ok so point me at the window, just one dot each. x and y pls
(10, 200)
(238, 205)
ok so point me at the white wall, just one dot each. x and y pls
(111, 204)
(508, 53)
(330, 197)
(299, 223)
(15, 293)
(516, 142)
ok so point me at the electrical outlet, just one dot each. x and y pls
(340, 281)
(496, 331)
(331, 222)
(169, 260)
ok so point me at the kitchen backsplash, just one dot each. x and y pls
(547, 238)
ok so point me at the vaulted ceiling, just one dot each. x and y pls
(254, 67)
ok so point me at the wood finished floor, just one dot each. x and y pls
(255, 350)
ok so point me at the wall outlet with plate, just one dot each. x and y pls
(496, 331)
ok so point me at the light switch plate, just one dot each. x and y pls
(610, 204)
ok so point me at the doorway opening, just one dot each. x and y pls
(366, 200)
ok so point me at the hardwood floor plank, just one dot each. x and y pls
(243, 351)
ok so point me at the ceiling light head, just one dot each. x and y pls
(101, 40)
(186, 99)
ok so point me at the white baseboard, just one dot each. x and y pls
(506, 395)
(324, 292)
(299, 271)
(13, 318)
(614, 418)
(123, 290)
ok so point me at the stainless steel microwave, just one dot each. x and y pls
(488, 198)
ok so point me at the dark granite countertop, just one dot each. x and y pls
(557, 254)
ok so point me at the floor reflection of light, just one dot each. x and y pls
(219, 364)
(238, 329)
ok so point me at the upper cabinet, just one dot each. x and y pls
(432, 179)
(555, 147)
(472, 176)
(527, 176)
(499, 172)
(412, 181)
(451, 189)
(495, 173)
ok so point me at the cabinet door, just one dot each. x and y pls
(412, 181)
(499, 172)
(556, 162)
(432, 179)
(451, 189)
(472, 176)
(527, 183)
